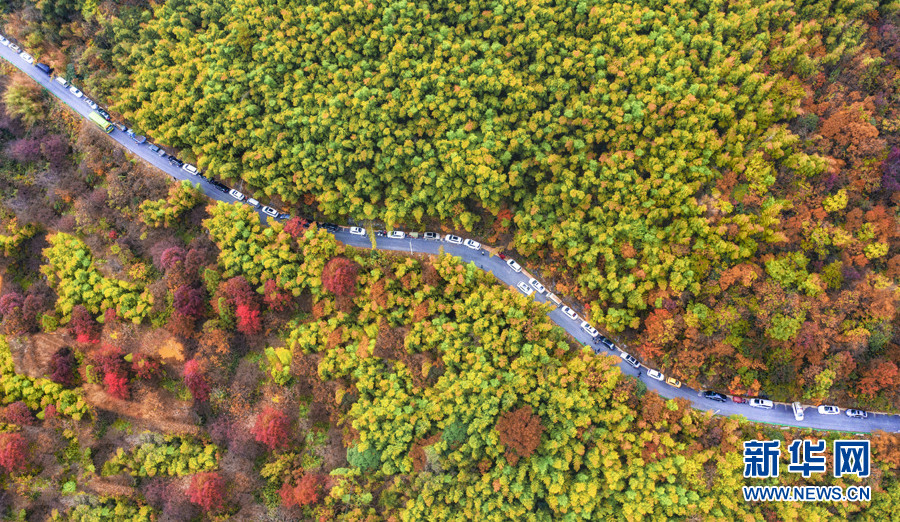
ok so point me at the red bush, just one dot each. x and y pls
(271, 428)
(63, 365)
(207, 490)
(296, 226)
(275, 298)
(196, 381)
(110, 359)
(189, 301)
(13, 452)
(238, 291)
(308, 491)
(18, 413)
(145, 367)
(83, 326)
(339, 276)
(116, 385)
(248, 322)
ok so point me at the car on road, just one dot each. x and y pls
(537, 286)
(123, 128)
(450, 238)
(27, 57)
(76, 91)
(568, 312)
(431, 235)
(762, 403)
(828, 410)
(655, 375)
(331, 227)
(252, 202)
(269, 211)
(62, 81)
(137, 138)
(738, 400)
(857, 414)
(474, 245)
(673, 382)
(515, 266)
(190, 169)
(586, 326)
(527, 290)
(605, 341)
(713, 396)
(357, 231)
(630, 359)
(798, 411)
(4, 41)
(103, 113)
(283, 216)
(154, 148)
(236, 195)
(396, 234)
(14, 47)
(90, 103)
(219, 186)
(44, 68)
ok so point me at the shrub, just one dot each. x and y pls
(196, 381)
(271, 428)
(83, 326)
(207, 490)
(189, 301)
(248, 321)
(19, 413)
(13, 452)
(63, 365)
(275, 298)
(116, 385)
(308, 491)
(145, 367)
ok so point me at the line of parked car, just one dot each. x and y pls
(797, 408)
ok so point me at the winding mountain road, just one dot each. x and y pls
(781, 414)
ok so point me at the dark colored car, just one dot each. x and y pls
(283, 215)
(175, 161)
(713, 396)
(331, 227)
(105, 114)
(46, 69)
(218, 185)
(154, 148)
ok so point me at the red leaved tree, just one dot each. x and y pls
(248, 321)
(296, 226)
(275, 298)
(62, 366)
(13, 452)
(271, 428)
(520, 431)
(116, 385)
(307, 491)
(145, 367)
(339, 276)
(83, 326)
(196, 381)
(207, 490)
(189, 301)
(18, 413)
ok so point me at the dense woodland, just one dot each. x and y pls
(713, 183)
(716, 182)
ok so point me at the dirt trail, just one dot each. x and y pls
(157, 410)
(31, 355)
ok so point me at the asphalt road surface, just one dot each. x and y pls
(781, 413)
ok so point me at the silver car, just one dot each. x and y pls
(236, 195)
(474, 245)
(456, 240)
(396, 234)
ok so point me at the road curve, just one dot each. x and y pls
(781, 414)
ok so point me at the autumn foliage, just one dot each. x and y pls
(339, 276)
(207, 490)
(13, 452)
(520, 431)
(272, 428)
(195, 380)
(308, 491)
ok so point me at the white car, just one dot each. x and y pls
(798, 411)
(4, 41)
(190, 169)
(655, 375)
(90, 103)
(828, 410)
(270, 211)
(762, 403)
(527, 290)
(456, 240)
(570, 313)
(630, 359)
(431, 235)
(857, 414)
(515, 266)
(14, 47)
(236, 195)
(357, 231)
(27, 57)
(252, 202)
(589, 329)
(396, 235)
(62, 81)
(536, 285)
(74, 90)
(474, 245)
